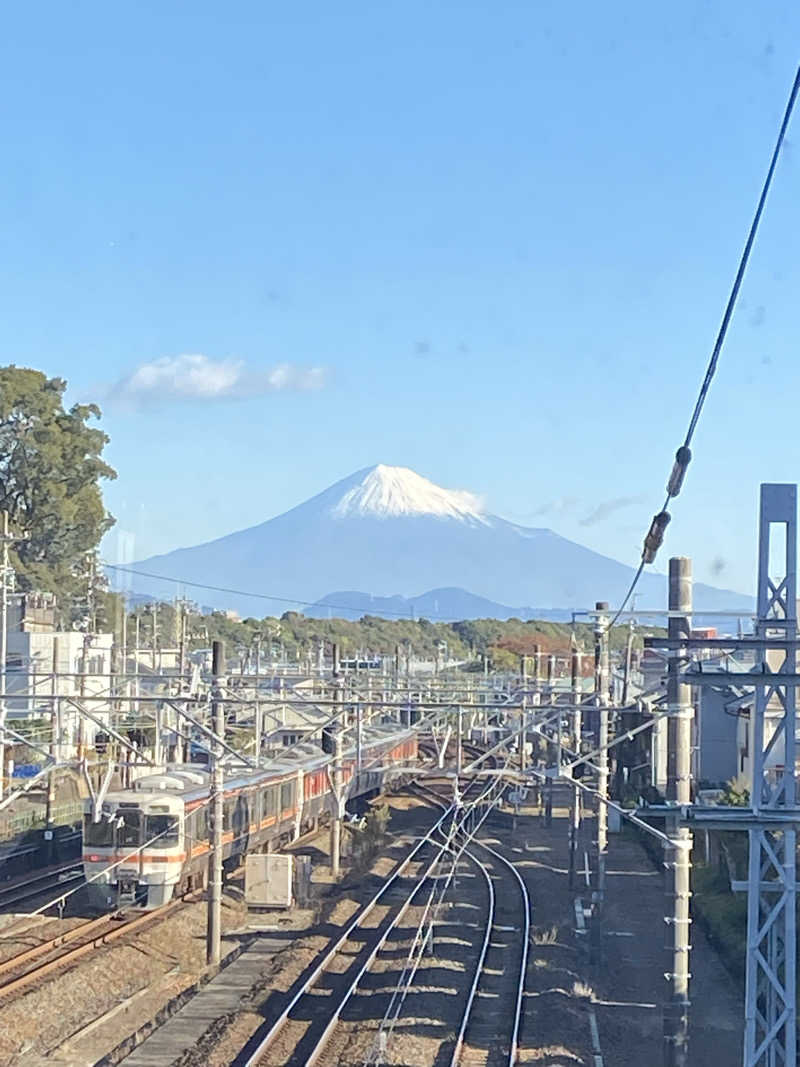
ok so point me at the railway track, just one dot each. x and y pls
(488, 1035)
(490, 1026)
(35, 963)
(38, 883)
(302, 1032)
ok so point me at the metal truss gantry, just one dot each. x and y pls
(771, 974)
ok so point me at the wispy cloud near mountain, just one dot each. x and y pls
(201, 378)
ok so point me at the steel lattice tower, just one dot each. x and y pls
(771, 988)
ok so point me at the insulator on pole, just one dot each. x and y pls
(655, 536)
(682, 459)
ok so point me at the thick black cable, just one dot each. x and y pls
(726, 318)
(729, 309)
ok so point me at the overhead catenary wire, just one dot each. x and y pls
(655, 534)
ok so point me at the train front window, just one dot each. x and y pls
(129, 828)
(98, 834)
(162, 827)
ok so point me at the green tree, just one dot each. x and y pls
(50, 470)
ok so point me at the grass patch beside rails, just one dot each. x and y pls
(722, 915)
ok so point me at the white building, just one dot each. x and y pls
(71, 665)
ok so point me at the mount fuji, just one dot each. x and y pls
(398, 543)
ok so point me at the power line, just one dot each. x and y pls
(268, 596)
(655, 534)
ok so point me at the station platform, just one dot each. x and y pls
(220, 996)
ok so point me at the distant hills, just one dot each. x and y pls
(440, 605)
(386, 534)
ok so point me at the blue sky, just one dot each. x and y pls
(491, 242)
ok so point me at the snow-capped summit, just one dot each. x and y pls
(384, 492)
(387, 532)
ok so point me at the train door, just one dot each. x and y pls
(240, 825)
(129, 828)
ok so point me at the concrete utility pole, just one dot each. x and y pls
(55, 732)
(181, 620)
(576, 728)
(3, 652)
(336, 777)
(626, 678)
(678, 853)
(214, 922)
(84, 665)
(359, 736)
(601, 698)
(551, 674)
(459, 742)
(154, 609)
(770, 1030)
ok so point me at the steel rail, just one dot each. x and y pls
(72, 954)
(331, 1026)
(490, 919)
(280, 1022)
(523, 969)
(393, 1013)
(357, 921)
(21, 888)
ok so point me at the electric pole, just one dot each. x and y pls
(548, 808)
(576, 729)
(677, 860)
(336, 776)
(601, 698)
(459, 742)
(3, 653)
(214, 922)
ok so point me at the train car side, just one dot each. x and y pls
(153, 841)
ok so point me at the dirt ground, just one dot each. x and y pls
(80, 1014)
(564, 994)
(126, 984)
(627, 990)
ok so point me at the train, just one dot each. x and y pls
(151, 842)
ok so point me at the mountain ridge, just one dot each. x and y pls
(389, 531)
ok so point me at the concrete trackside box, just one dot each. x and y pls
(268, 881)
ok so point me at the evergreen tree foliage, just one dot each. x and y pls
(51, 467)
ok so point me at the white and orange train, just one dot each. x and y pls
(152, 841)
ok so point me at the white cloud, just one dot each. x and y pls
(198, 377)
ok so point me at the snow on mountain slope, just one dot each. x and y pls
(387, 531)
(386, 492)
